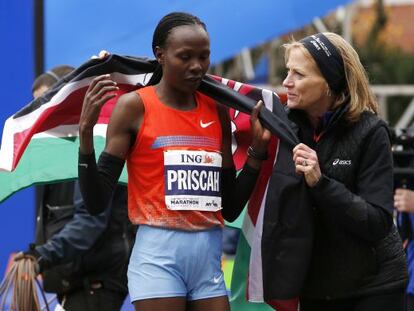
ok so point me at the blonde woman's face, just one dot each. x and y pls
(306, 88)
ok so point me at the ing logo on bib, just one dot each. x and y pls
(192, 180)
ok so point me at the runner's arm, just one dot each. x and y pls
(97, 181)
(236, 191)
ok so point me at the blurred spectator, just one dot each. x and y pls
(404, 204)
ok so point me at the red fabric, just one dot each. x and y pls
(284, 305)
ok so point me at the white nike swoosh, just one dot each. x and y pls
(204, 125)
(217, 279)
(83, 164)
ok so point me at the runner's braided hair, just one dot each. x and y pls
(163, 30)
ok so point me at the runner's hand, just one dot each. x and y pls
(99, 92)
(261, 135)
(102, 54)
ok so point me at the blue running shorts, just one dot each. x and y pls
(174, 263)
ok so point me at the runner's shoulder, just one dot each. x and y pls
(130, 103)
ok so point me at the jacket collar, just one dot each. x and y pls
(303, 128)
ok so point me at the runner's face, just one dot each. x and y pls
(186, 57)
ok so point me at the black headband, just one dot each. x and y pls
(328, 59)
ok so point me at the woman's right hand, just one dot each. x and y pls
(93, 98)
(99, 92)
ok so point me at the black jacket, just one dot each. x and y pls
(294, 235)
(356, 249)
(79, 248)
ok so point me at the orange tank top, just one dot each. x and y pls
(174, 166)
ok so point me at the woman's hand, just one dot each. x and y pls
(404, 200)
(102, 54)
(306, 162)
(257, 151)
(261, 135)
(99, 92)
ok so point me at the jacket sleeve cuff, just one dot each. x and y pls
(42, 261)
(320, 188)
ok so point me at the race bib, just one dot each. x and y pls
(192, 180)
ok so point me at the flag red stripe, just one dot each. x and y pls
(284, 305)
(66, 112)
(261, 184)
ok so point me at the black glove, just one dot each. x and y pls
(32, 253)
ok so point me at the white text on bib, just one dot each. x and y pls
(192, 180)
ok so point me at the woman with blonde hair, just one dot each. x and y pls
(357, 260)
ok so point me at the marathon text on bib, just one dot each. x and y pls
(192, 180)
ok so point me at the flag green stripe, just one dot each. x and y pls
(238, 282)
(238, 222)
(46, 160)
